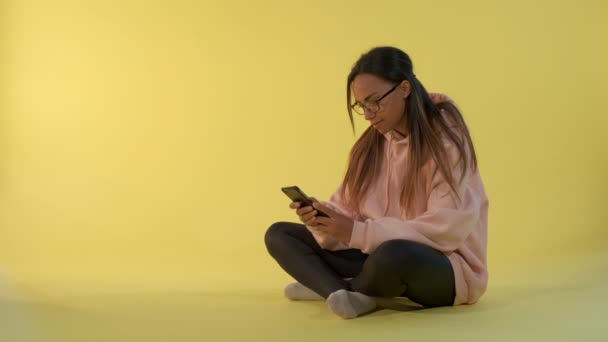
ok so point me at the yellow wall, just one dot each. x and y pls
(143, 144)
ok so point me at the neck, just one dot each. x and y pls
(402, 130)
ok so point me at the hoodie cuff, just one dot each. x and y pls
(357, 237)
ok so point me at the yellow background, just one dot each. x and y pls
(143, 144)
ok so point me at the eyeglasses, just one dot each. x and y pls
(373, 106)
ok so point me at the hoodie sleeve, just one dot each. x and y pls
(325, 240)
(444, 226)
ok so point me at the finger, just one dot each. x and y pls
(326, 221)
(324, 208)
(318, 226)
(304, 210)
(294, 205)
(309, 215)
(441, 97)
(312, 221)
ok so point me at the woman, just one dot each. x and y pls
(410, 217)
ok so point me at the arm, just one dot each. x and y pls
(325, 240)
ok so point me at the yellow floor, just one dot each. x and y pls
(563, 300)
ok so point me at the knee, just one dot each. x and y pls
(392, 247)
(275, 235)
(394, 253)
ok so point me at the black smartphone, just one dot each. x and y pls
(297, 195)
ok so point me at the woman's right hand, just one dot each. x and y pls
(306, 214)
(439, 97)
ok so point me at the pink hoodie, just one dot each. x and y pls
(458, 229)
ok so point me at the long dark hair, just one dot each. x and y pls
(426, 127)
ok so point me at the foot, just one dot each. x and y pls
(297, 291)
(349, 305)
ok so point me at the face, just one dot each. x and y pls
(367, 88)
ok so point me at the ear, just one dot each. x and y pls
(405, 88)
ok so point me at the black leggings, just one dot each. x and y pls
(397, 268)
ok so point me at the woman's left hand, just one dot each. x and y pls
(337, 225)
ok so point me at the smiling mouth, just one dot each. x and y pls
(376, 123)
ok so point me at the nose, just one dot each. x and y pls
(369, 114)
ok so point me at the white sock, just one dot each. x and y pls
(297, 291)
(348, 304)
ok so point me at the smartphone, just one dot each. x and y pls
(297, 195)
